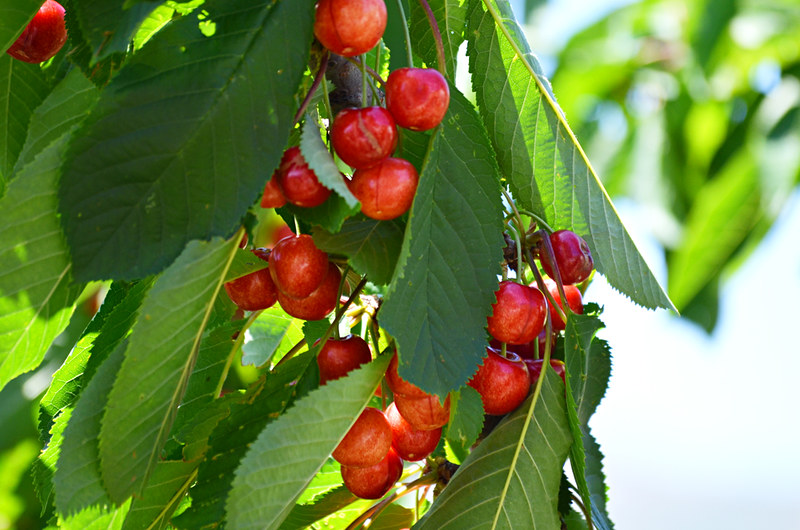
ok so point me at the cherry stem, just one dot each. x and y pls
(541, 222)
(437, 37)
(550, 256)
(518, 241)
(363, 65)
(339, 297)
(236, 345)
(407, 34)
(517, 233)
(544, 289)
(424, 480)
(318, 78)
(326, 101)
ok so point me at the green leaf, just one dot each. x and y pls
(172, 137)
(466, 422)
(544, 164)
(108, 27)
(511, 480)
(319, 159)
(244, 262)
(14, 16)
(596, 481)
(96, 518)
(36, 294)
(330, 215)
(393, 517)
(268, 331)
(44, 467)
(372, 247)
(588, 361)
(161, 497)
(284, 458)
(444, 283)
(161, 354)
(451, 17)
(303, 515)
(24, 89)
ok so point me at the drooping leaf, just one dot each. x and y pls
(36, 290)
(588, 361)
(319, 159)
(444, 282)
(544, 164)
(153, 509)
(284, 458)
(451, 18)
(172, 138)
(160, 357)
(372, 247)
(108, 27)
(511, 479)
(596, 481)
(466, 422)
(14, 16)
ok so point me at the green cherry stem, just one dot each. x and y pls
(437, 37)
(544, 289)
(318, 78)
(326, 101)
(363, 65)
(410, 53)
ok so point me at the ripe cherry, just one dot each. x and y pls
(281, 231)
(535, 369)
(519, 313)
(375, 481)
(367, 441)
(574, 302)
(299, 183)
(44, 36)
(350, 27)
(253, 291)
(417, 97)
(425, 413)
(273, 196)
(398, 385)
(363, 137)
(411, 444)
(572, 254)
(339, 356)
(297, 266)
(386, 190)
(502, 382)
(319, 303)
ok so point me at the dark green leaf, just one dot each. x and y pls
(511, 479)
(284, 458)
(451, 17)
(330, 215)
(172, 137)
(444, 283)
(108, 27)
(319, 159)
(466, 422)
(160, 498)
(14, 16)
(160, 357)
(588, 361)
(372, 247)
(596, 480)
(244, 262)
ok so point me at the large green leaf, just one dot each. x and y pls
(319, 159)
(544, 164)
(36, 294)
(14, 16)
(108, 27)
(286, 456)
(451, 17)
(179, 143)
(160, 357)
(444, 283)
(303, 515)
(24, 87)
(372, 247)
(162, 495)
(466, 422)
(511, 480)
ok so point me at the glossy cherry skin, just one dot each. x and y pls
(318, 304)
(519, 313)
(375, 481)
(297, 266)
(502, 382)
(385, 190)
(253, 291)
(339, 356)
(350, 27)
(363, 137)
(425, 413)
(282, 231)
(574, 301)
(535, 369)
(410, 444)
(417, 97)
(298, 182)
(273, 196)
(367, 441)
(573, 257)
(398, 385)
(44, 36)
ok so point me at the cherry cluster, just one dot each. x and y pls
(44, 35)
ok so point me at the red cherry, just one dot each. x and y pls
(411, 444)
(574, 302)
(572, 255)
(44, 36)
(363, 137)
(339, 356)
(375, 481)
(417, 97)
(273, 196)
(386, 190)
(519, 313)
(299, 183)
(253, 291)
(535, 369)
(350, 27)
(318, 304)
(398, 385)
(502, 382)
(367, 441)
(297, 266)
(425, 413)
(282, 231)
